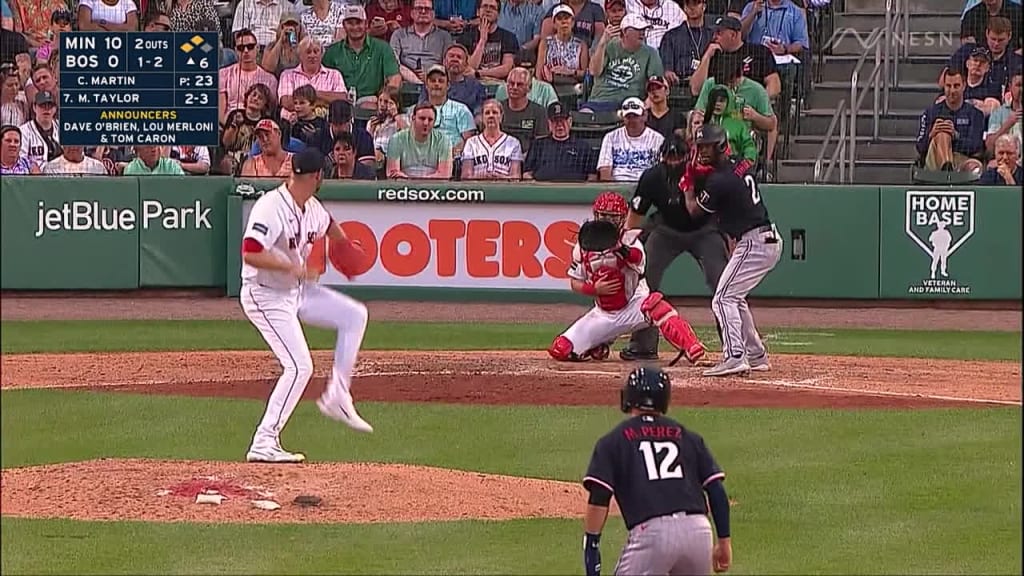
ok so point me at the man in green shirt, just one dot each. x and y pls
(420, 151)
(366, 63)
(541, 92)
(621, 64)
(149, 162)
(750, 100)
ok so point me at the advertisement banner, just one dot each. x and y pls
(503, 246)
(951, 243)
(181, 248)
(70, 233)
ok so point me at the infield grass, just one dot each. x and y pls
(174, 335)
(817, 491)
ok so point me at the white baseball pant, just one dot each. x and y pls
(277, 313)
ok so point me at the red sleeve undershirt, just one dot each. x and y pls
(251, 245)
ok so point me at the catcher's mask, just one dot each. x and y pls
(646, 388)
(711, 144)
(611, 207)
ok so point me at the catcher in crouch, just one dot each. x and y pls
(608, 265)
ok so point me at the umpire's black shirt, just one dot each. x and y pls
(659, 187)
(654, 467)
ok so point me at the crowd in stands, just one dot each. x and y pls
(974, 126)
(465, 89)
(547, 90)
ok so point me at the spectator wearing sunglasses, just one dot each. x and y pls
(236, 79)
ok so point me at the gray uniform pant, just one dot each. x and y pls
(663, 246)
(668, 545)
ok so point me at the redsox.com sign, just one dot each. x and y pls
(459, 246)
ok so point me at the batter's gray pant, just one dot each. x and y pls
(668, 545)
(752, 259)
(663, 246)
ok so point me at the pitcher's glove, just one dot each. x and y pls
(598, 235)
(348, 257)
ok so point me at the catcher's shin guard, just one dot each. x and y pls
(561, 350)
(677, 331)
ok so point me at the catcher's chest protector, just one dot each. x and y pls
(607, 263)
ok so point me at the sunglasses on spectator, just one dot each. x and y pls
(245, 47)
(162, 26)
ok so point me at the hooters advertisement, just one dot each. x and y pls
(458, 245)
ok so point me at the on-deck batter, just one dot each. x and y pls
(658, 471)
(278, 291)
(624, 303)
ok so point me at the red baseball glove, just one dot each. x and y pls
(347, 257)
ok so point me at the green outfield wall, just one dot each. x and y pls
(465, 240)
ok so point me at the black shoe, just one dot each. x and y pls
(629, 355)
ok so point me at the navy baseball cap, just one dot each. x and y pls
(557, 110)
(339, 112)
(309, 161)
(728, 23)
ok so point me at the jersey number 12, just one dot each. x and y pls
(667, 466)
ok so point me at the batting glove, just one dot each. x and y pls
(592, 554)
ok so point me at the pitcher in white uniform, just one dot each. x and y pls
(279, 291)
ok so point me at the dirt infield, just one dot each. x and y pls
(158, 490)
(167, 491)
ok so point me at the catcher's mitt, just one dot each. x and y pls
(348, 257)
(598, 235)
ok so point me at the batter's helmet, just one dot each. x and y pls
(646, 388)
(711, 134)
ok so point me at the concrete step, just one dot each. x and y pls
(815, 121)
(905, 97)
(865, 22)
(866, 150)
(847, 41)
(914, 69)
(917, 7)
(878, 172)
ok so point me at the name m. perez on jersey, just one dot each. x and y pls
(654, 467)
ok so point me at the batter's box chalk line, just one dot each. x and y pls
(812, 384)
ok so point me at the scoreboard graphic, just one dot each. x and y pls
(139, 88)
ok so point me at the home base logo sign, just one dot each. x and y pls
(939, 222)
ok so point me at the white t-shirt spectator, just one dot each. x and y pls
(191, 155)
(62, 167)
(323, 30)
(116, 14)
(629, 157)
(263, 17)
(662, 18)
(493, 160)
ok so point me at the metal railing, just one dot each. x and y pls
(883, 76)
(823, 172)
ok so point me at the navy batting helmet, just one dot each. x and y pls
(646, 388)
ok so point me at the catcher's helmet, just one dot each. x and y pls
(646, 388)
(610, 206)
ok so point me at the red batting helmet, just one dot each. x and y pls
(610, 206)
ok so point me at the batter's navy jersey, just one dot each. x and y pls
(654, 467)
(734, 200)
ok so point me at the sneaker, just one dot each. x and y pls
(274, 455)
(338, 406)
(729, 366)
(760, 363)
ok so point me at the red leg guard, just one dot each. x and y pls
(561, 349)
(677, 331)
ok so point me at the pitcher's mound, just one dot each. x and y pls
(167, 490)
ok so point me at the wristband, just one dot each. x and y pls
(588, 289)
